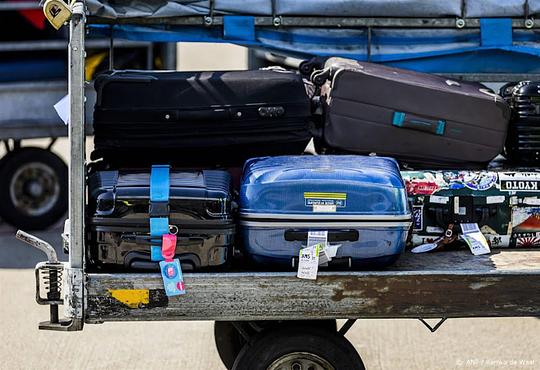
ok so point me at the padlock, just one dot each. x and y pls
(57, 12)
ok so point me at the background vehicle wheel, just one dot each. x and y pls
(298, 348)
(33, 188)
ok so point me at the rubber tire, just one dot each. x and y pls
(10, 163)
(229, 342)
(266, 347)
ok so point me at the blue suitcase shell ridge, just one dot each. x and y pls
(295, 185)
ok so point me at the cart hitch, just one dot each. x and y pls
(49, 277)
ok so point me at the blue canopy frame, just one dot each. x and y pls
(486, 37)
(495, 47)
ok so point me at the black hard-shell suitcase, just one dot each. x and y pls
(418, 118)
(523, 142)
(193, 118)
(200, 208)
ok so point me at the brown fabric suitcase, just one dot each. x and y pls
(420, 119)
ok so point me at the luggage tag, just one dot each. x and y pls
(308, 263)
(475, 239)
(171, 271)
(320, 238)
(428, 247)
(327, 253)
(447, 238)
(308, 259)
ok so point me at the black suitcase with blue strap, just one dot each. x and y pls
(129, 211)
(418, 118)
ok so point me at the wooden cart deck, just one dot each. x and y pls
(443, 284)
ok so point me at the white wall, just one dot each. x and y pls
(203, 56)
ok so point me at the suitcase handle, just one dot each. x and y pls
(413, 122)
(337, 263)
(203, 115)
(484, 213)
(133, 78)
(334, 236)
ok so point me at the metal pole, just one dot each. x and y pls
(21, 5)
(168, 55)
(76, 162)
(111, 49)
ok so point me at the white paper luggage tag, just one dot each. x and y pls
(475, 239)
(308, 263)
(327, 253)
(308, 259)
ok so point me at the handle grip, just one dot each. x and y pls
(334, 236)
(419, 123)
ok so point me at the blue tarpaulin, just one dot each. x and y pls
(494, 47)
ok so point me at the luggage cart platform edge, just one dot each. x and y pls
(456, 284)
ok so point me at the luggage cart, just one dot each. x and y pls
(264, 319)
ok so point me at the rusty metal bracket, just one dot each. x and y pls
(432, 329)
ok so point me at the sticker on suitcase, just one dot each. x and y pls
(428, 183)
(523, 241)
(325, 202)
(519, 181)
(418, 217)
(526, 229)
(526, 219)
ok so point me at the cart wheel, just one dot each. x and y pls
(229, 342)
(298, 348)
(33, 188)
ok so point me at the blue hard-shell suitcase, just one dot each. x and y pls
(361, 201)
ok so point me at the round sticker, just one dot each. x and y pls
(170, 270)
(482, 181)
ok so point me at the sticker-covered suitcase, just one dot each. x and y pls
(361, 202)
(200, 118)
(417, 118)
(118, 219)
(504, 204)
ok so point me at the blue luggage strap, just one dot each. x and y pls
(158, 209)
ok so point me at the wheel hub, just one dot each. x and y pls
(34, 188)
(300, 361)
